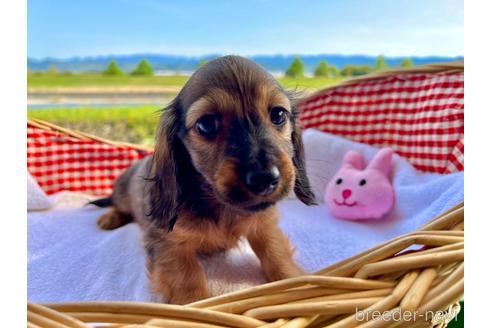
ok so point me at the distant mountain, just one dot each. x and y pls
(273, 63)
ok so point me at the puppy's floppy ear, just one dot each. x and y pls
(164, 187)
(302, 187)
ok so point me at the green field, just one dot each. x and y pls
(310, 84)
(129, 124)
(135, 124)
(97, 80)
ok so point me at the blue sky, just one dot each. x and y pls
(61, 28)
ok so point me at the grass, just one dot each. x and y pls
(97, 80)
(311, 84)
(130, 124)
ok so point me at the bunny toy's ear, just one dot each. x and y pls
(353, 159)
(382, 161)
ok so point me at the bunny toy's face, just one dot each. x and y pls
(355, 193)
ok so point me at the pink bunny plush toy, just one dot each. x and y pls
(358, 193)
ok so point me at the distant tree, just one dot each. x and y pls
(201, 63)
(321, 70)
(380, 64)
(407, 62)
(144, 68)
(352, 70)
(113, 69)
(52, 70)
(326, 70)
(296, 69)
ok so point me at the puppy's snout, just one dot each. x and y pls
(262, 182)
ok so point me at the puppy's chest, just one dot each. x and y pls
(209, 237)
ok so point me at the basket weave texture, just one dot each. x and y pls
(417, 275)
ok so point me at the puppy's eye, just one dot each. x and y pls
(362, 182)
(278, 115)
(208, 125)
(339, 181)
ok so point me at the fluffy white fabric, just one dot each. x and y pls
(36, 198)
(70, 259)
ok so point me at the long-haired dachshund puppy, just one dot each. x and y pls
(228, 148)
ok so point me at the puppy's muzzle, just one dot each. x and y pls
(262, 182)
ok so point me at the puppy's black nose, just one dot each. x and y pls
(263, 182)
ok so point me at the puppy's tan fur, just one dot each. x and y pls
(181, 196)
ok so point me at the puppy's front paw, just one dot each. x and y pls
(172, 285)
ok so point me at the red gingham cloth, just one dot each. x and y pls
(420, 116)
(60, 162)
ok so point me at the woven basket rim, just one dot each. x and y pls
(436, 68)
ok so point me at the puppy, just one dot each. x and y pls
(228, 148)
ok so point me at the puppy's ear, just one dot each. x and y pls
(164, 188)
(302, 188)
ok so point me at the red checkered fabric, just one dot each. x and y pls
(420, 116)
(59, 162)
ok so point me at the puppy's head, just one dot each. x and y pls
(233, 128)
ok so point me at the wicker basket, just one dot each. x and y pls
(384, 278)
(415, 280)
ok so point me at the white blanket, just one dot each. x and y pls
(70, 259)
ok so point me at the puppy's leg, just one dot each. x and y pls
(273, 249)
(113, 219)
(174, 270)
